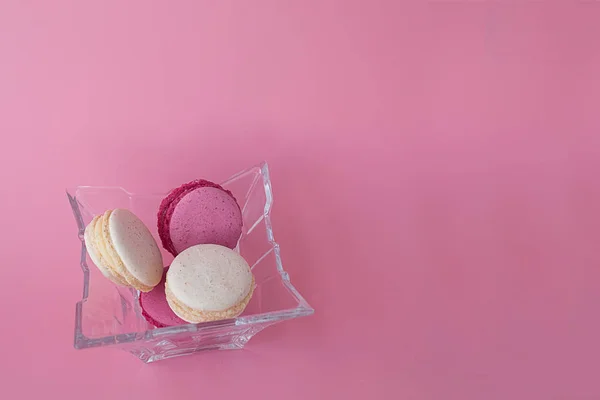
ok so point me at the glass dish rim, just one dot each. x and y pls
(81, 341)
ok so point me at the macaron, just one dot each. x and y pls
(199, 212)
(155, 308)
(208, 282)
(124, 250)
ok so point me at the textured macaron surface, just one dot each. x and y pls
(206, 215)
(136, 247)
(155, 308)
(188, 234)
(209, 277)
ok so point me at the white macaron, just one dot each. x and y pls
(124, 250)
(208, 282)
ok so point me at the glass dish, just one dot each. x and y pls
(109, 315)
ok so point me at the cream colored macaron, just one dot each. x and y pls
(124, 250)
(208, 282)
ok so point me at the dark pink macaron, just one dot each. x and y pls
(199, 212)
(155, 308)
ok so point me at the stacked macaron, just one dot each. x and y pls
(199, 223)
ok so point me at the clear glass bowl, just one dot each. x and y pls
(109, 315)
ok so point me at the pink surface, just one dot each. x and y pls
(435, 172)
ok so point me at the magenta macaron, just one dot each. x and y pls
(155, 308)
(199, 212)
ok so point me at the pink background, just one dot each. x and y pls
(435, 169)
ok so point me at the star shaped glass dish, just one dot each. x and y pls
(109, 316)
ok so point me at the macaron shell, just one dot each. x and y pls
(205, 215)
(209, 278)
(167, 219)
(169, 203)
(136, 247)
(155, 308)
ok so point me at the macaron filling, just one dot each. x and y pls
(191, 315)
(94, 247)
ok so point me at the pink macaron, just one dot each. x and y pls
(199, 212)
(155, 308)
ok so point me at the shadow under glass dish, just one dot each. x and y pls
(109, 315)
